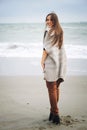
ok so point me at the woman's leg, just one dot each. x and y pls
(53, 91)
(58, 84)
(57, 94)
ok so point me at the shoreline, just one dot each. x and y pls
(24, 103)
(15, 66)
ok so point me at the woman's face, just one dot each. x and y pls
(49, 22)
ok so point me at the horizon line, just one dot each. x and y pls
(41, 22)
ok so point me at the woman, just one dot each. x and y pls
(53, 62)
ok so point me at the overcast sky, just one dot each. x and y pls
(36, 10)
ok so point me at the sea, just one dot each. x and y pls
(25, 40)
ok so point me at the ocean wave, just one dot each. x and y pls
(35, 50)
(76, 51)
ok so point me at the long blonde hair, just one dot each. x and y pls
(57, 29)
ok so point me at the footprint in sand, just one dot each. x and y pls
(68, 120)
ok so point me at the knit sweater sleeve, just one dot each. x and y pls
(62, 63)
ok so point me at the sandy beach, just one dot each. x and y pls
(24, 103)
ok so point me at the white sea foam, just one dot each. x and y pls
(76, 51)
(35, 50)
(20, 50)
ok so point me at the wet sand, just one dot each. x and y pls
(24, 103)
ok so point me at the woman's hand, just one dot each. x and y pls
(60, 80)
